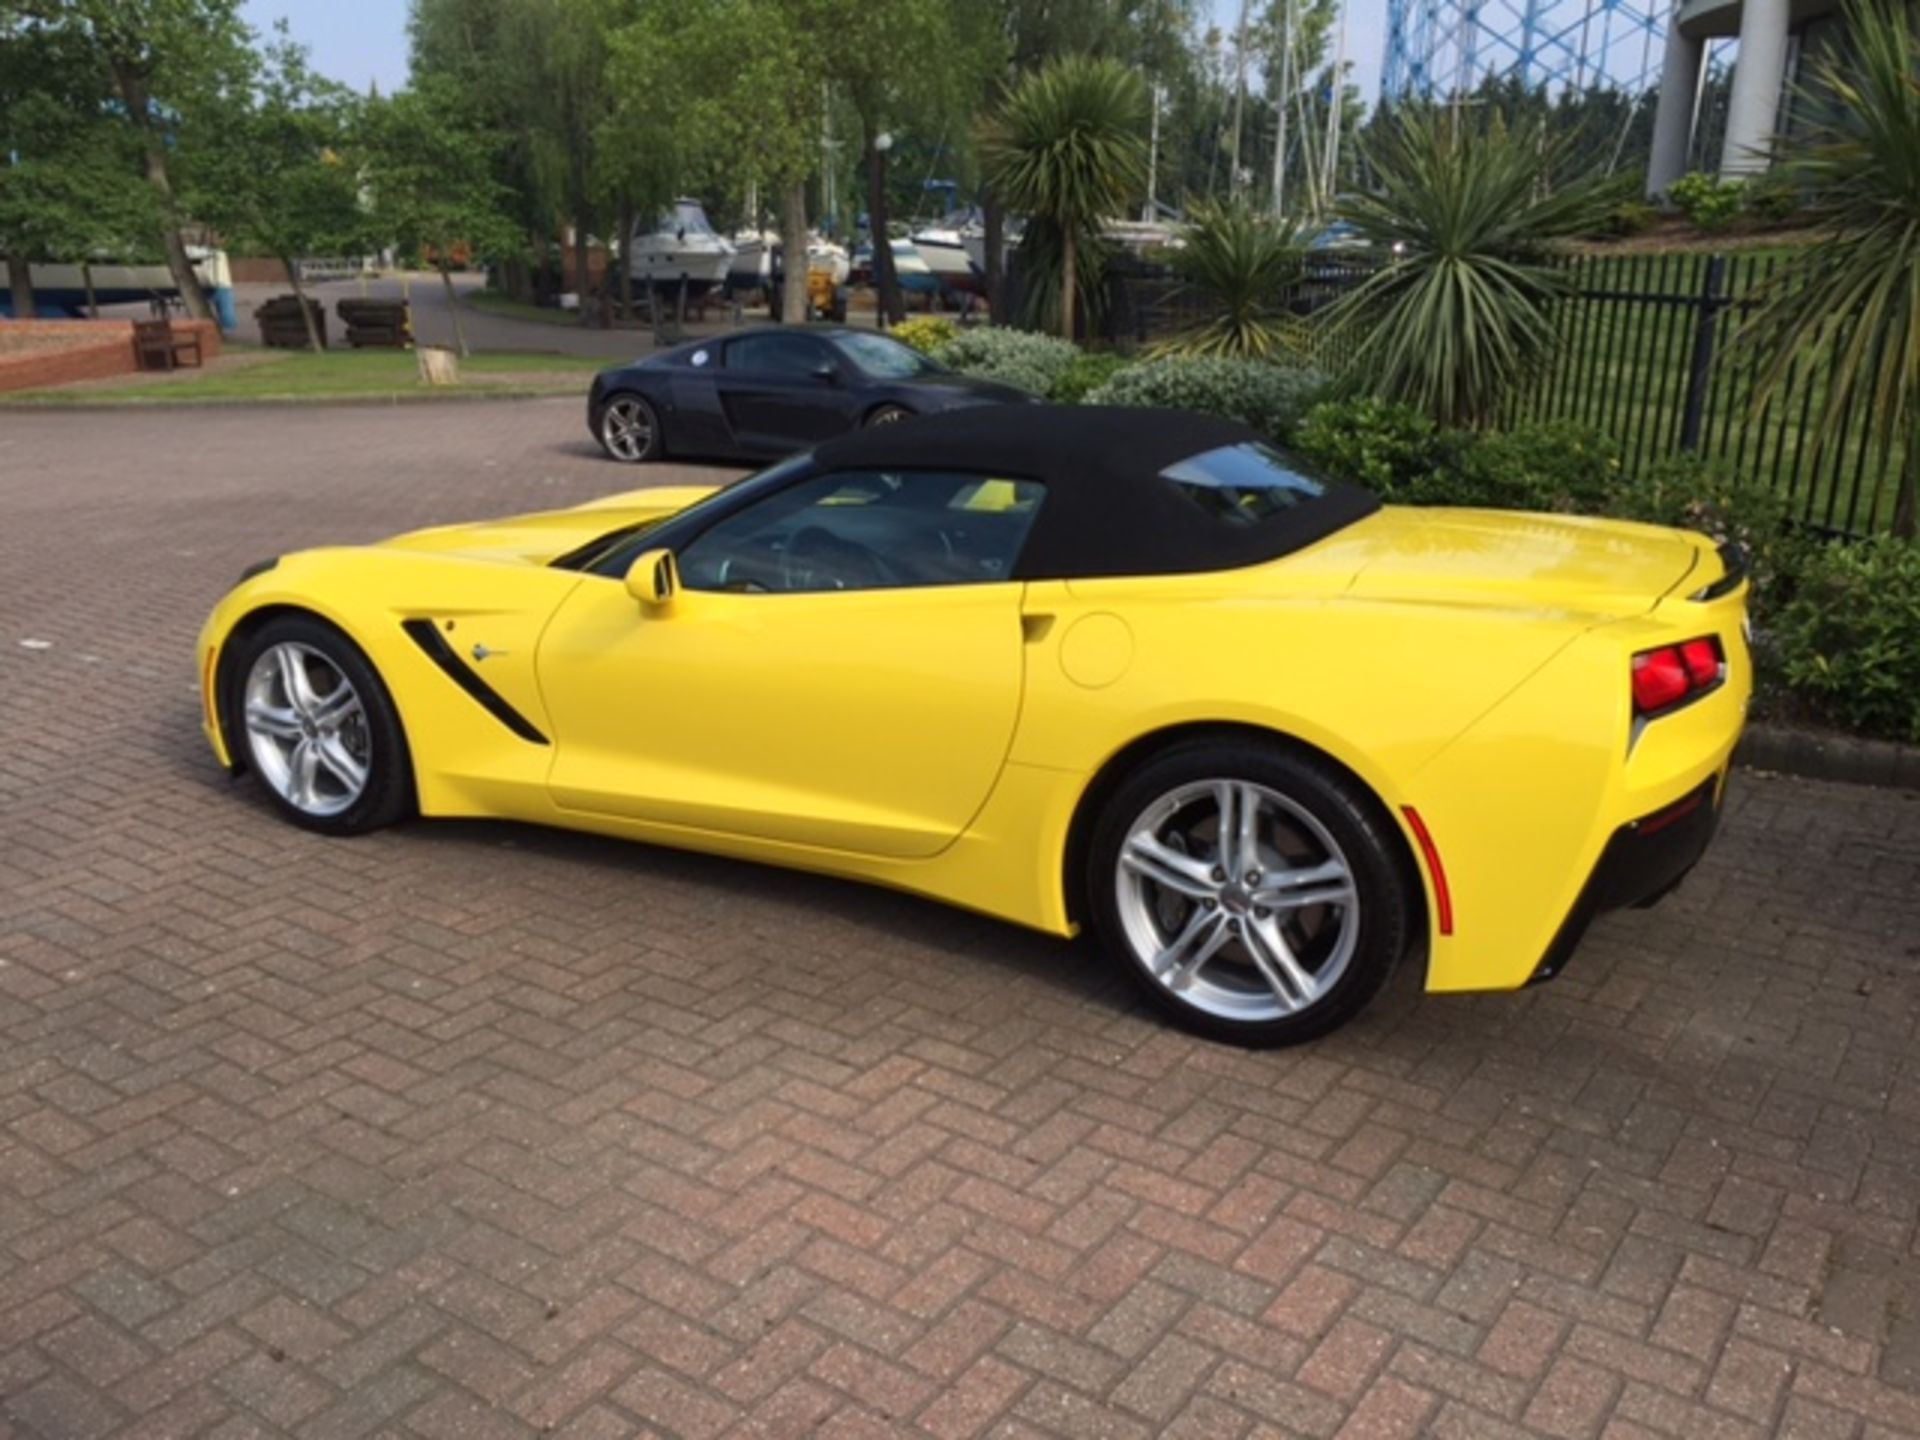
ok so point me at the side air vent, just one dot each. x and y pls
(427, 636)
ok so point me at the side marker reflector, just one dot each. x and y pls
(1442, 898)
(207, 705)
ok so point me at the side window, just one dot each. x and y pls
(795, 355)
(868, 530)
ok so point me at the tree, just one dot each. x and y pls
(67, 176)
(1855, 296)
(429, 174)
(733, 79)
(910, 56)
(284, 179)
(1067, 147)
(1242, 262)
(166, 59)
(555, 69)
(1461, 312)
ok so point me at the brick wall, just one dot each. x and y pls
(59, 352)
(257, 270)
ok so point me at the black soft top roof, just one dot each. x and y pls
(1109, 510)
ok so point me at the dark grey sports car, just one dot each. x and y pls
(767, 392)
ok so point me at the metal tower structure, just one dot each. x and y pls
(1441, 48)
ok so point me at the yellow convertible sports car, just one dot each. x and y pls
(1127, 670)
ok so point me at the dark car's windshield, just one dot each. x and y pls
(879, 358)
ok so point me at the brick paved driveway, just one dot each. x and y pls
(468, 1131)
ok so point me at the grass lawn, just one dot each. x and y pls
(248, 373)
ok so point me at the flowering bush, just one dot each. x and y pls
(925, 333)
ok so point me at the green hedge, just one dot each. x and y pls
(1847, 644)
(1270, 398)
(1038, 363)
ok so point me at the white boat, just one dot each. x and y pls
(682, 246)
(944, 251)
(752, 264)
(909, 267)
(1141, 236)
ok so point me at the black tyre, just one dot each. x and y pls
(628, 428)
(887, 415)
(1255, 891)
(310, 719)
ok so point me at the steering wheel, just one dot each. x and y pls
(817, 559)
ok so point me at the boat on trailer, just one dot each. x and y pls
(682, 247)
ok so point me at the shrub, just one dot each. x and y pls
(1848, 644)
(1014, 357)
(1381, 444)
(1541, 465)
(1707, 201)
(925, 333)
(1715, 500)
(1629, 217)
(1087, 373)
(1771, 198)
(1270, 398)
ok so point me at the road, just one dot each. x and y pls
(465, 1130)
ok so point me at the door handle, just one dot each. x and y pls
(1034, 627)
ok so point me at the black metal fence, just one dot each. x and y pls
(1652, 356)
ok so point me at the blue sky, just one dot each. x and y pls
(360, 41)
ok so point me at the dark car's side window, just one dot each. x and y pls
(796, 355)
(868, 530)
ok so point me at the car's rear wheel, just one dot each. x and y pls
(319, 729)
(888, 415)
(1253, 890)
(629, 429)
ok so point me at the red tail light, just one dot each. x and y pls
(1675, 674)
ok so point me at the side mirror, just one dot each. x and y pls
(654, 579)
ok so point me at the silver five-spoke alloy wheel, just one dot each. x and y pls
(626, 427)
(1237, 901)
(307, 729)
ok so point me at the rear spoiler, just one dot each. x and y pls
(1735, 566)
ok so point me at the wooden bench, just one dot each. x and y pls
(158, 346)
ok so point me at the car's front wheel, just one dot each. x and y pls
(318, 728)
(888, 415)
(629, 429)
(1254, 891)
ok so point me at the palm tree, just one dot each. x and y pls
(1066, 147)
(1462, 311)
(1242, 262)
(1855, 295)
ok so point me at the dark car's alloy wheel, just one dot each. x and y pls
(1251, 890)
(888, 415)
(629, 429)
(318, 728)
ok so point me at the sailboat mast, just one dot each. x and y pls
(1239, 97)
(1280, 110)
(1153, 161)
(1330, 172)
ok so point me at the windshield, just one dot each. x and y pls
(879, 358)
(611, 553)
(688, 218)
